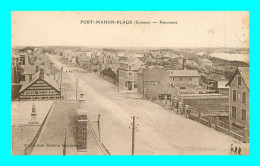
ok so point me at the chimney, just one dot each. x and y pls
(81, 125)
(33, 115)
(184, 64)
(42, 73)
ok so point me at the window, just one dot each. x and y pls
(180, 78)
(129, 67)
(244, 97)
(172, 78)
(243, 114)
(238, 96)
(239, 81)
(234, 112)
(234, 95)
(190, 78)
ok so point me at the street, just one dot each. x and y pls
(161, 131)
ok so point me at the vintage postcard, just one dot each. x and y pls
(130, 83)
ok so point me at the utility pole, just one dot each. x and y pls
(77, 80)
(133, 127)
(64, 147)
(61, 81)
(133, 136)
(98, 122)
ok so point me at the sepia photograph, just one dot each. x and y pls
(130, 83)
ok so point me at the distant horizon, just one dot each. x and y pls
(241, 57)
(128, 47)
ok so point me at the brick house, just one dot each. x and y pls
(239, 98)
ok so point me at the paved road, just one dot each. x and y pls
(161, 131)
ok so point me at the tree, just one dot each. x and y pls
(110, 73)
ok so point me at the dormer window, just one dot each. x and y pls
(239, 80)
(234, 95)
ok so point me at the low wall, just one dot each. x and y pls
(220, 126)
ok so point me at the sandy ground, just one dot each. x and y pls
(161, 131)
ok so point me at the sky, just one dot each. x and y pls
(193, 29)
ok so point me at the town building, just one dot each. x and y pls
(41, 87)
(154, 83)
(83, 59)
(155, 57)
(184, 76)
(158, 82)
(216, 83)
(24, 66)
(128, 73)
(239, 98)
(109, 58)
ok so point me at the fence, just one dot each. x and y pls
(220, 126)
(235, 132)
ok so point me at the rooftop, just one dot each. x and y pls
(22, 132)
(21, 111)
(244, 72)
(183, 73)
(35, 77)
(216, 77)
(61, 121)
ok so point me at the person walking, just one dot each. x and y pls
(231, 149)
(239, 151)
(235, 150)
